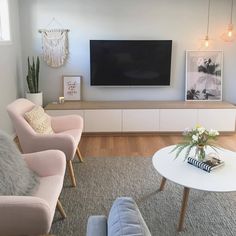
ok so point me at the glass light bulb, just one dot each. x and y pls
(206, 43)
(230, 33)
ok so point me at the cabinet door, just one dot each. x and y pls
(140, 120)
(64, 112)
(102, 120)
(219, 119)
(177, 119)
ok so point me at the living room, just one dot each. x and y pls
(186, 24)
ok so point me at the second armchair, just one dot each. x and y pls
(66, 136)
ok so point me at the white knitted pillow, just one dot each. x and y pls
(39, 121)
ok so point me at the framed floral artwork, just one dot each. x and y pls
(71, 87)
(204, 75)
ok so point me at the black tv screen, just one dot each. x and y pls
(130, 62)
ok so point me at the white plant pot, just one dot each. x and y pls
(36, 98)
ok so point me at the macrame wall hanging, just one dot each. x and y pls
(55, 46)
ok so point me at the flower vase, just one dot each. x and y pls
(200, 153)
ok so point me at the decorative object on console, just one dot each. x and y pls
(197, 138)
(32, 78)
(229, 36)
(71, 85)
(55, 45)
(204, 75)
(61, 100)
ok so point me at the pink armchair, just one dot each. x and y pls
(33, 215)
(66, 137)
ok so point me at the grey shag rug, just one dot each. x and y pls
(101, 180)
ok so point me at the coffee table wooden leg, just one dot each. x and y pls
(183, 208)
(163, 181)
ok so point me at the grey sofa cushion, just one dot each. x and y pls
(125, 219)
(15, 177)
(97, 226)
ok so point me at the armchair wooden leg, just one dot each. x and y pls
(60, 209)
(71, 172)
(79, 154)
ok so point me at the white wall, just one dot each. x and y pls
(10, 70)
(183, 21)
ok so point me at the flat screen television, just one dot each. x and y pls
(130, 62)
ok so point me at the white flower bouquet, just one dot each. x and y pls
(198, 138)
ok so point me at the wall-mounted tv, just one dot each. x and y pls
(130, 62)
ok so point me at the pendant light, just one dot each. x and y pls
(206, 39)
(229, 36)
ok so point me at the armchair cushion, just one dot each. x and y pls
(67, 122)
(97, 225)
(126, 219)
(15, 176)
(39, 120)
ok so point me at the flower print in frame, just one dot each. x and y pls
(204, 75)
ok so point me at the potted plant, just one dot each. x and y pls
(34, 95)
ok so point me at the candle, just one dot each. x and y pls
(61, 100)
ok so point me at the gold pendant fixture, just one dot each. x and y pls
(229, 36)
(206, 39)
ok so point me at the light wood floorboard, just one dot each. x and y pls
(137, 145)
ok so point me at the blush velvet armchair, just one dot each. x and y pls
(33, 215)
(66, 136)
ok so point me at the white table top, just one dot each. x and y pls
(222, 179)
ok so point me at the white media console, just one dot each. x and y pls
(148, 116)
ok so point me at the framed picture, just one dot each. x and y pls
(204, 75)
(71, 87)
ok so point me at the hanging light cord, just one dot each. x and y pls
(208, 17)
(231, 13)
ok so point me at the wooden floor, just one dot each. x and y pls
(137, 145)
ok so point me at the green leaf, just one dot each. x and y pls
(180, 148)
(29, 78)
(33, 75)
(37, 74)
(214, 147)
(188, 151)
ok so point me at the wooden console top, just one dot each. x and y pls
(89, 105)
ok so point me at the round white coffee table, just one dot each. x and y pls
(180, 172)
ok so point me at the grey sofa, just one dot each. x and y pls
(124, 219)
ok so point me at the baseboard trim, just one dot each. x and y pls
(87, 134)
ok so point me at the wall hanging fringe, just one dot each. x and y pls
(55, 46)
